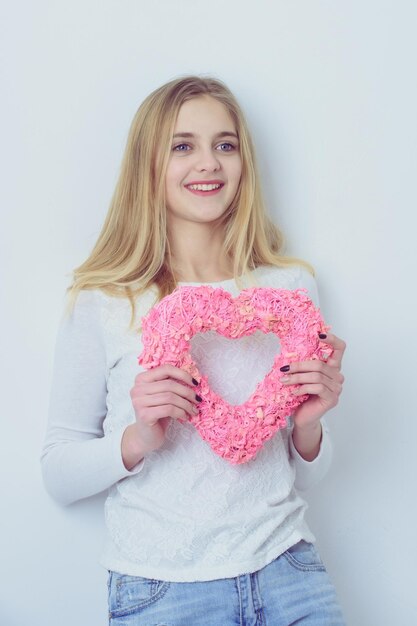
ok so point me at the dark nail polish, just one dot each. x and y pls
(195, 382)
(198, 398)
(322, 335)
(285, 368)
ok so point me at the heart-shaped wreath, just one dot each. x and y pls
(236, 432)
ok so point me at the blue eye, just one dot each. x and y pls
(226, 147)
(180, 147)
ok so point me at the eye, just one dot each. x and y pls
(181, 147)
(226, 147)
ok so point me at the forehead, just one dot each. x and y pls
(204, 113)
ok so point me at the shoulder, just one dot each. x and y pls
(86, 299)
(82, 306)
(81, 316)
(291, 277)
(112, 313)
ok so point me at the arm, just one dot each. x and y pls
(309, 442)
(77, 459)
(309, 473)
(158, 396)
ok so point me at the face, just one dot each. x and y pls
(204, 167)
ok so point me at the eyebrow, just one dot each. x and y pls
(224, 133)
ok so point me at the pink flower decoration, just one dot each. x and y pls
(236, 432)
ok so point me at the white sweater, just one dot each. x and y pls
(183, 513)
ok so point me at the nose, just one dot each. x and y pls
(207, 160)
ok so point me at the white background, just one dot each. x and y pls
(329, 89)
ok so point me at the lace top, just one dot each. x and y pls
(183, 513)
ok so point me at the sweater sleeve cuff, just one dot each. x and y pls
(309, 473)
(116, 454)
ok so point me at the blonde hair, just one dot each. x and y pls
(132, 252)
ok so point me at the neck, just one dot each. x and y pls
(197, 253)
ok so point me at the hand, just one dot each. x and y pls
(323, 382)
(158, 395)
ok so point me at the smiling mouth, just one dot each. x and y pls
(204, 187)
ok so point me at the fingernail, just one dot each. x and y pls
(195, 382)
(322, 335)
(195, 409)
(285, 368)
(198, 398)
(285, 379)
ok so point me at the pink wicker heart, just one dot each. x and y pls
(236, 432)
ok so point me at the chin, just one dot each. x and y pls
(200, 215)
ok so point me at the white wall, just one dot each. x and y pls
(330, 92)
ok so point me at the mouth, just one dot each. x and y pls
(204, 189)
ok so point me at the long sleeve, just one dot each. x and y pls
(309, 473)
(77, 459)
(184, 516)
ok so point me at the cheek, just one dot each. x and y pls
(237, 172)
(174, 176)
(237, 165)
(171, 183)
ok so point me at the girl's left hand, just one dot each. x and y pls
(322, 381)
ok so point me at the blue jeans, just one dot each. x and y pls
(293, 589)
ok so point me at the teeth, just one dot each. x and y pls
(204, 187)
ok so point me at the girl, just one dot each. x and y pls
(191, 539)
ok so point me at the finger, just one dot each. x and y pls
(151, 416)
(166, 371)
(316, 390)
(310, 366)
(334, 383)
(163, 399)
(162, 386)
(339, 347)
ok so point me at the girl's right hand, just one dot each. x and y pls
(158, 395)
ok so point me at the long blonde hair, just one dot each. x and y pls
(132, 252)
